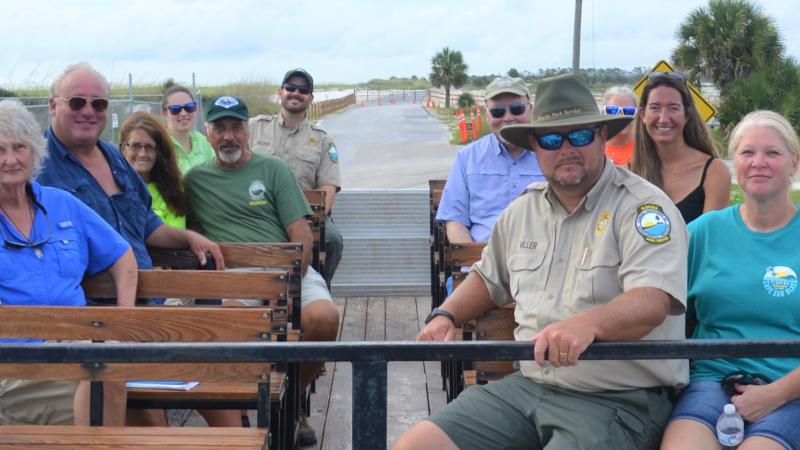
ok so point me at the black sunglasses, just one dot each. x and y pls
(77, 103)
(18, 245)
(576, 138)
(176, 109)
(674, 75)
(731, 380)
(291, 87)
(500, 110)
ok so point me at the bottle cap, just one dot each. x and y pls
(730, 408)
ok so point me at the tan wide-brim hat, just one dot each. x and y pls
(562, 101)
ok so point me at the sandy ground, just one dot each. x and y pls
(391, 146)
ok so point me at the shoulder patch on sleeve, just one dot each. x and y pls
(333, 154)
(653, 224)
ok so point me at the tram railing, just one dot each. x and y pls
(370, 360)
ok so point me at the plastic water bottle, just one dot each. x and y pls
(730, 427)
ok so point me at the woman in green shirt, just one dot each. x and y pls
(180, 113)
(148, 148)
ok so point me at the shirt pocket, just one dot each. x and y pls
(527, 276)
(308, 161)
(596, 280)
(70, 264)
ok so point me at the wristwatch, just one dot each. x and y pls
(439, 312)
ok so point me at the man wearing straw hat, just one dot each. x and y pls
(594, 254)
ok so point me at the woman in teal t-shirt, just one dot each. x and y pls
(743, 284)
(179, 111)
(147, 146)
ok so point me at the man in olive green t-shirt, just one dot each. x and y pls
(243, 197)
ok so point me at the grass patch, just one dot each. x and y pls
(738, 197)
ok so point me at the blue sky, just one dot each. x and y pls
(336, 41)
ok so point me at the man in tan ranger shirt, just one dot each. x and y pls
(310, 152)
(594, 254)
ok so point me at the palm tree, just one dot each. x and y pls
(448, 69)
(726, 41)
(775, 87)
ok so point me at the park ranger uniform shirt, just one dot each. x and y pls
(625, 234)
(308, 150)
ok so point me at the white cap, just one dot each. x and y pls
(730, 408)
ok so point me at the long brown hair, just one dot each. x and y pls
(165, 173)
(646, 162)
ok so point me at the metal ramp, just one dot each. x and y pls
(385, 243)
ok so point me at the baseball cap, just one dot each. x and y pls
(506, 85)
(299, 73)
(227, 106)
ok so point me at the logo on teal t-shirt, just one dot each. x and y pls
(780, 281)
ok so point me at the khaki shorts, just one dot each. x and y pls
(518, 413)
(36, 402)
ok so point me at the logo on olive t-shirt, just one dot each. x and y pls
(256, 191)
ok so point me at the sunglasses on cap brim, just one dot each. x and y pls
(77, 103)
(576, 138)
(176, 109)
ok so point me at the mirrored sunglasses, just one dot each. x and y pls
(576, 138)
(291, 87)
(613, 110)
(77, 103)
(176, 109)
(500, 110)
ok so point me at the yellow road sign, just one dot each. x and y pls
(705, 108)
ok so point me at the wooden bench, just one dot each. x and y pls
(286, 395)
(316, 200)
(139, 324)
(437, 241)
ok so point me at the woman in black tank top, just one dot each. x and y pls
(674, 150)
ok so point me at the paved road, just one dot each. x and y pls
(390, 146)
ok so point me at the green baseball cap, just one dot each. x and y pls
(227, 106)
(299, 73)
(563, 101)
(506, 85)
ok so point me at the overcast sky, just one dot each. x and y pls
(336, 41)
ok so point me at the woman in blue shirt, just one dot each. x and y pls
(743, 266)
(50, 241)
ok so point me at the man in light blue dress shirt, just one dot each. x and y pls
(489, 173)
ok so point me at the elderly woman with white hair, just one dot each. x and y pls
(50, 241)
(743, 266)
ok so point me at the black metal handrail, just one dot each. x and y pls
(370, 360)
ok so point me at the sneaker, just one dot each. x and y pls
(306, 436)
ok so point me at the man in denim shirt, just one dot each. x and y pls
(489, 173)
(96, 172)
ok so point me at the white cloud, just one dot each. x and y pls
(339, 41)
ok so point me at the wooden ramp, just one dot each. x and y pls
(414, 388)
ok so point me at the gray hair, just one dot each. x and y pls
(771, 120)
(79, 66)
(619, 90)
(17, 123)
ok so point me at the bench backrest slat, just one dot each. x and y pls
(209, 372)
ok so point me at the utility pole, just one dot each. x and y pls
(576, 38)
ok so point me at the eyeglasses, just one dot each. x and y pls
(138, 146)
(674, 75)
(500, 110)
(291, 87)
(613, 110)
(77, 103)
(576, 138)
(176, 109)
(732, 379)
(18, 245)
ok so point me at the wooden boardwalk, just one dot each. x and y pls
(414, 388)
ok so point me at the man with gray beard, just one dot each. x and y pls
(244, 197)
